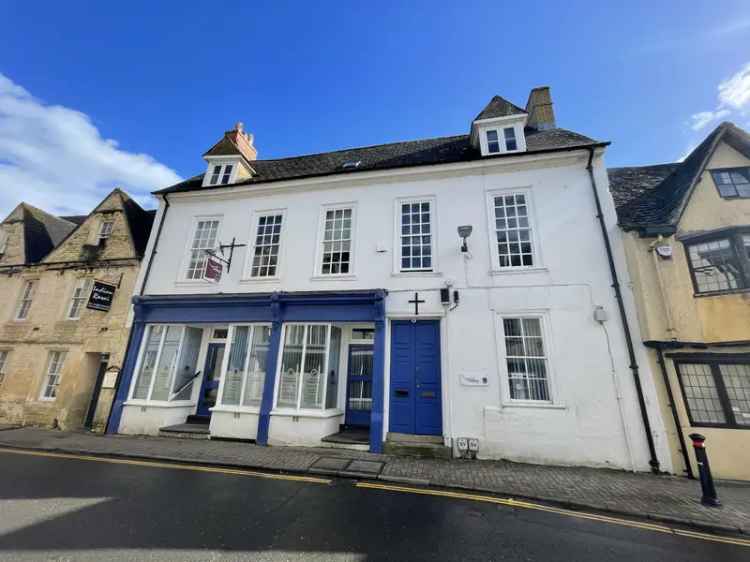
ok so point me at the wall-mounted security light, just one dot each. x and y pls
(463, 233)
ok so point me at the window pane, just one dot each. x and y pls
(256, 376)
(493, 144)
(54, 370)
(204, 239)
(167, 363)
(148, 362)
(267, 241)
(291, 362)
(416, 236)
(700, 393)
(227, 173)
(235, 366)
(313, 377)
(513, 231)
(733, 182)
(186, 366)
(715, 266)
(526, 362)
(337, 242)
(27, 295)
(334, 354)
(737, 382)
(510, 138)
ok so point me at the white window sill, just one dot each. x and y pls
(44, 399)
(347, 277)
(416, 274)
(275, 279)
(160, 403)
(307, 413)
(236, 409)
(518, 270)
(534, 404)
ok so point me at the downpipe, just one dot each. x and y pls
(653, 461)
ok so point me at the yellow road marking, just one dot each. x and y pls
(510, 502)
(174, 466)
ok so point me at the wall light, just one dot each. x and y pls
(464, 232)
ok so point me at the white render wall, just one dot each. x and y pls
(583, 425)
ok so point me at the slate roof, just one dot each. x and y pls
(42, 232)
(76, 219)
(442, 150)
(140, 222)
(653, 197)
(499, 107)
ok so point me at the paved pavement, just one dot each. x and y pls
(76, 509)
(663, 498)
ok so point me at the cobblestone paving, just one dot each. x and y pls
(660, 497)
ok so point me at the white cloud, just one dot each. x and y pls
(703, 118)
(733, 96)
(734, 92)
(55, 158)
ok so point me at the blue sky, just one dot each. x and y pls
(98, 94)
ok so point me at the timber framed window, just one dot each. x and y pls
(27, 297)
(166, 367)
(416, 235)
(719, 262)
(53, 375)
(78, 299)
(205, 236)
(337, 240)
(245, 374)
(716, 390)
(732, 182)
(221, 174)
(511, 223)
(267, 245)
(526, 358)
(308, 372)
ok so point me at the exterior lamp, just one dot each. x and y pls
(464, 232)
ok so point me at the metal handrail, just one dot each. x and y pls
(184, 386)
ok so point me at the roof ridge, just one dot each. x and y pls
(360, 148)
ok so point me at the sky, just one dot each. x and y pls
(97, 95)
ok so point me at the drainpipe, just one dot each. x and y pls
(156, 242)
(675, 417)
(654, 462)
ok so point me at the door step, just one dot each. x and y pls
(186, 431)
(194, 418)
(354, 439)
(425, 446)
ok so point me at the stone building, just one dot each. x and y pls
(687, 239)
(66, 284)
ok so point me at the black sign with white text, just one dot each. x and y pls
(101, 297)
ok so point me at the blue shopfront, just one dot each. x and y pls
(274, 368)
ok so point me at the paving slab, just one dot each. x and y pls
(664, 498)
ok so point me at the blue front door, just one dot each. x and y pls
(211, 377)
(415, 398)
(359, 386)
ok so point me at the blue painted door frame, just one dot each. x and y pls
(277, 308)
(415, 405)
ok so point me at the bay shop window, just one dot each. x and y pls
(168, 363)
(245, 372)
(308, 376)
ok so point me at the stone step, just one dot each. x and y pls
(194, 418)
(423, 446)
(186, 431)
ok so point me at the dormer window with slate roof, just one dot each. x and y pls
(229, 160)
(499, 128)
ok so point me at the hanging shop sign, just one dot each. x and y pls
(101, 297)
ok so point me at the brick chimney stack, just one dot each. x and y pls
(539, 108)
(243, 141)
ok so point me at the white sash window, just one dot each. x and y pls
(308, 361)
(79, 298)
(53, 375)
(245, 371)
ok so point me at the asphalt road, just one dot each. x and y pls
(71, 509)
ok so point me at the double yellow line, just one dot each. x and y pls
(508, 502)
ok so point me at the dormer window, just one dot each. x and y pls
(105, 230)
(510, 144)
(223, 173)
